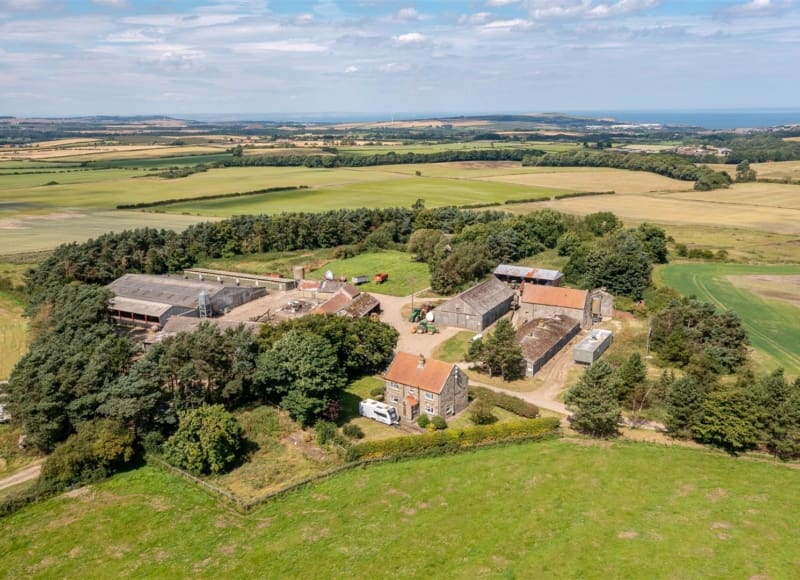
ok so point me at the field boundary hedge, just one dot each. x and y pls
(427, 445)
(145, 204)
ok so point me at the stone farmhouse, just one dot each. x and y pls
(416, 385)
(478, 307)
(548, 301)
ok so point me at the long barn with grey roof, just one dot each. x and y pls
(145, 300)
(519, 274)
(478, 307)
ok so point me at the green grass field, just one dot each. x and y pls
(12, 333)
(568, 509)
(772, 324)
(405, 275)
(454, 348)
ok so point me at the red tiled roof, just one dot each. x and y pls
(554, 296)
(406, 371)
(336, 303)
(412, 401)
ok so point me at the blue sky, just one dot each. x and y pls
(81, 57)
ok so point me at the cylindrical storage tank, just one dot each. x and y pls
(597, 304)
(299, 272)
(430, 316)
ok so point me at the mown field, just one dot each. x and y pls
(405, 275)
(564, 508)
(772, 323)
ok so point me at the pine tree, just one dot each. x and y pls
(595, 402)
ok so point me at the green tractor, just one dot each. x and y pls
(416, 315)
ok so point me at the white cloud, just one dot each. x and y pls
(130, 36)
(111, 3)
(351, 69)
(21, 4)
(514, 24)
(304, 18)
(759, 7)
(586, 8)
(411, 38)
(407, 14)
(394, 67)
(279, 46)
(501, 2)
(477, 18)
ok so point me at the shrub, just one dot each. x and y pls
(353, 431)
(438, 422)
(96, 451)
(208, 440)
(377, 393)
(326, 432)
(423, 420)
(482, 412)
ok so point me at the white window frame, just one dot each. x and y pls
(394, 385)
(429, 409)
(395, 399)
(412, 391)
(429, 397)
(450, 410)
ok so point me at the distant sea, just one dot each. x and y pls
(706, 118)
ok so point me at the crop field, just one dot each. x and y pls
(770, 170)
(777, 195)
(742, 245)
(405, 275)
(594, 179)
(770, 319)
(33, 233)
(666, 209)
(564, 508)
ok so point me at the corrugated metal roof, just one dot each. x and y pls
(486, 295)
(163, 289)
(431, 377)
(240, 275)
(554, 296)
(592, 342)
(143, 307)
(528, 273)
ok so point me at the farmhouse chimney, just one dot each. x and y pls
(421, 363)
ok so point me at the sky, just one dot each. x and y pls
(223, 57)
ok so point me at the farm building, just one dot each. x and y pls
(144, 300)
(349, 301)
(178, 324)
(593, 346)
(415, 384)
(545, 301)
(520, 274)
(478, 307)
(542, 338)
(239, 279)
(314, 287)
(602, 305)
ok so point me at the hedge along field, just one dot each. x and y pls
(772, 324)
(563, 508)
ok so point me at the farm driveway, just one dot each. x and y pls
(424, 344)
(21, 476)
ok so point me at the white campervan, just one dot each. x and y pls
(377, 411)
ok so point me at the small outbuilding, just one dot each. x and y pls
(478, 307)
(273, 282)
(542, 338)
(593, 346)
(349, 301)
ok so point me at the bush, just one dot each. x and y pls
(209, 440)
(353, 431)
(439, 422)
(482, 412)
(326, 432)
(377, 393)
(96, 451)
(423, 420)
(453, 440)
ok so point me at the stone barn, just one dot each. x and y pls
(542, 338)
(546, 301)
(478, 307)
